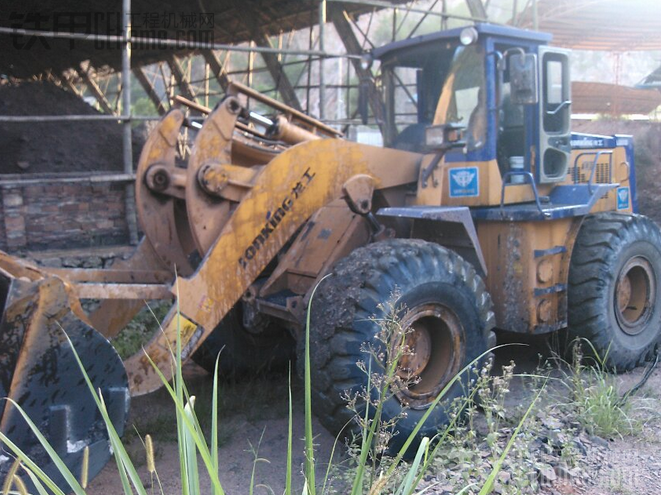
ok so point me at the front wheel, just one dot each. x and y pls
(614, 297)
(439, 299)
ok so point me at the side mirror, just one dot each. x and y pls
(523, 78)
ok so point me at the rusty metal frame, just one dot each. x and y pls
(179, 75)
(282, 83)
(88, 75)
(217, 68)
(271, 56)
(149, 89)
(339, 20)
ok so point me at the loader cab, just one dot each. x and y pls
(502, 87)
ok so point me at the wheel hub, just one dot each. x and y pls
(634, 293)
(433, 354)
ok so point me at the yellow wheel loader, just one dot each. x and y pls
(482, 211)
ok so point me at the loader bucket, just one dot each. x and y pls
(38, 371)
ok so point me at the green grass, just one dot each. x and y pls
(140, 330)
(199, 437)
(596, 401)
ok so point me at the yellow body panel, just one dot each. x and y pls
(615, 170)
(528, 266)
(436, 192)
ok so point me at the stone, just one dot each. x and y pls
(12, 199)
(547, 474)
(598, 441)
(563, 472)
(504, 477)
(580, 447)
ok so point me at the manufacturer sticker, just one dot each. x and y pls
(464, 182)
(622, 198)
(274, 218)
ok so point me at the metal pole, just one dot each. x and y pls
(322, 82)
(535, 17)
(394, 24)
(444, 19)
(207, 75)
(161, 43)
(73, 118)
(388, 5)
(127, 149)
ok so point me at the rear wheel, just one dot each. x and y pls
(439, 298)
(614, 296)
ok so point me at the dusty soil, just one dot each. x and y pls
(255, 414)
(57, 146)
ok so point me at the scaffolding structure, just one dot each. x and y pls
(315, 69)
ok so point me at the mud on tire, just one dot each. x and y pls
(614, 294)
(446, 303)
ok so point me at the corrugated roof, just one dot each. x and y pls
(610, 25)
(590, 97)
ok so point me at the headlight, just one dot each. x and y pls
(468, 36)
(366, 60)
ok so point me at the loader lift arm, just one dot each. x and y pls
(281, 198)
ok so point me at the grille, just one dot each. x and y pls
(602, 174)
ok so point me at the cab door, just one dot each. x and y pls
(554, 114)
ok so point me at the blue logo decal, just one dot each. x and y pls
(464, 182)
(622, 198)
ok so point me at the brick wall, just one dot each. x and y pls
(62, 216)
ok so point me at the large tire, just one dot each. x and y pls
(446, 304)
(614, 297)
(242, 353)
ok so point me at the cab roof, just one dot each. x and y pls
(453, 34)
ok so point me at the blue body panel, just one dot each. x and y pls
(564, 201)
(568, 200)
(520, 36)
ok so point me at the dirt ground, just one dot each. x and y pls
(254, 415)
(253, 418)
